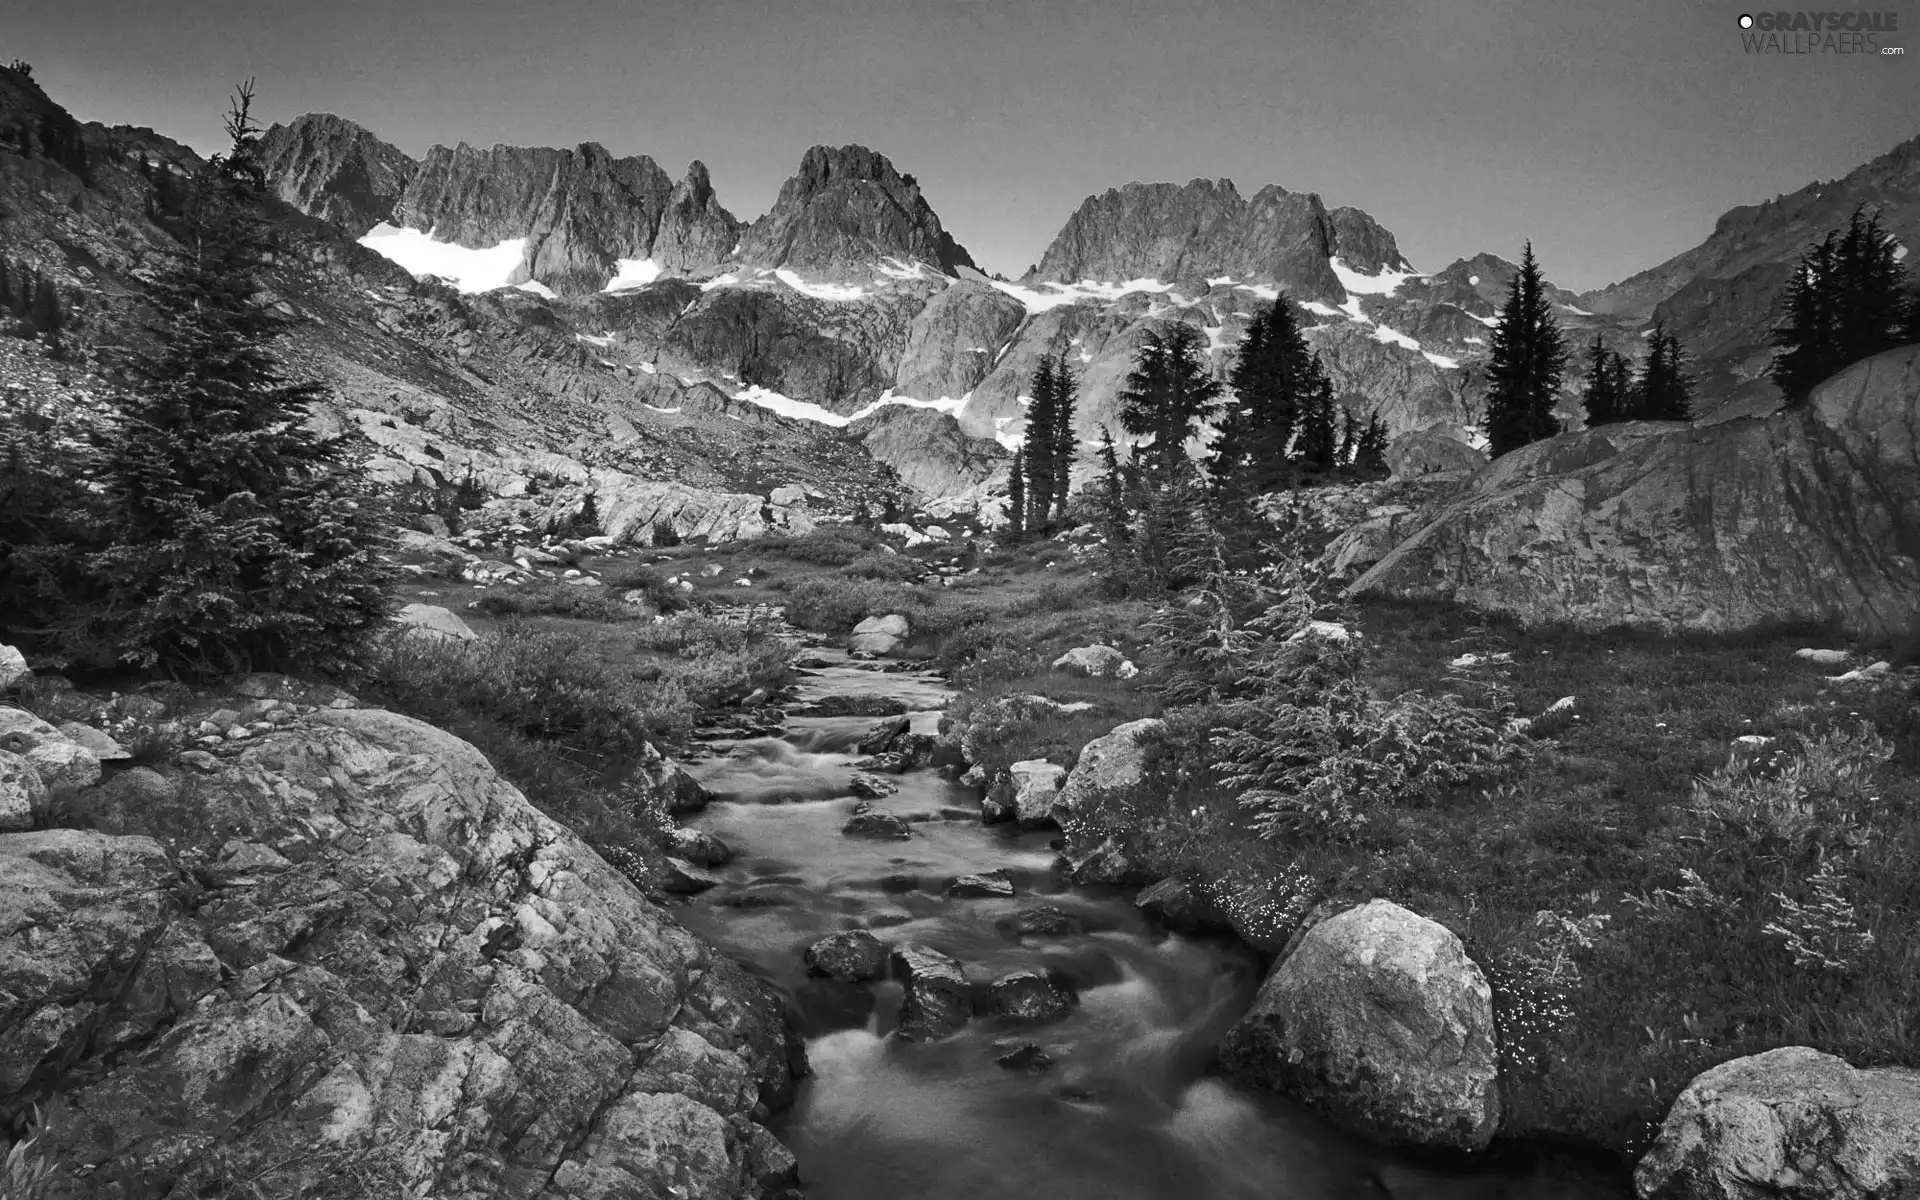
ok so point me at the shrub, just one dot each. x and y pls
(896, 568)
(827, 546)
(556, 600)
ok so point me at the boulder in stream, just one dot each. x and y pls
(1036, 786)
(876, 824)
(1379, 1020)
(982, 885)
(1045, 920)
(1182, 905)
(888, 763)
(938, 1001)
(683, 878)
(1030, 997)
(881, 737)
(871, 787)
(854, 956)
(880, 635)
(1018, 1054)
(699, 847)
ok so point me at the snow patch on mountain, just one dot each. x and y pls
(537, 288)
(1383, 284)
(1319, 309)
(1393, 337)
(1899, 251)
(632, 273)
(1052, 295)
(787, 406)
(820, 291)
(469, 270)
(1265, 291)
(1441, 360)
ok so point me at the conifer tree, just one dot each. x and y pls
(1017, 497)
(1370, 455)
(1604, 404)
(1525, 361)
(6, 286)
(243, 541)
(1168, 394)
(45, 313)
(1318, 442)
(1037, 446)
(1349, 438)
(1275, 378)
(1065, 399)
(1845, 302)
(1664, 389)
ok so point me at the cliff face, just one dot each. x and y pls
(1186, 234)
(330, 168)
(845, 210)
(580, 210)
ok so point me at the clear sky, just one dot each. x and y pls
(1611, 132)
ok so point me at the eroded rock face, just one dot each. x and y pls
(1380, 1020)
(407, 968)
(334, 169)
(1810, 514)
(845, 209)
(1789, 1124)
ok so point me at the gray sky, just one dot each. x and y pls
(1611, 133)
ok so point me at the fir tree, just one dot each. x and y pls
(1017, 497)
(1604, 404)
(1845, 302)
(1664, 390)
(1318, 442)
(242, 540)
(1168, 394)
(1370, 456)
(1112, 489)
(45, 315)
(1065, 398)
(1349, 438)
(1037, 446)
(1525, 361)
(1275, 378)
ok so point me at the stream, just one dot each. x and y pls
(1127, 1110)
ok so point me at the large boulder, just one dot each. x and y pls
(1379, 1020)
(351, 944)
(13, 667)
(879, 635)
(1036, 788)
(21, 792)
(1789, 1124)
(1811, 513)
(1432, 451)
(1114, 770)
(431, 620)
(938, 1000)
(1097, 661)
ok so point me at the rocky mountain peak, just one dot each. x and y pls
(846, 208)
(1204, 229)
(332, 168)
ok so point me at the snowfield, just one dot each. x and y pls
(1383, 284)
(1052, 295)
(469, 270)
(632, 273)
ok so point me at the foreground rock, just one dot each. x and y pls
(1097, 662)
(852, 957)
(1790, 1124)
(1380, 1020)
(938, 1001)
(389, 962)
(879, 635)
(1113, 770)
(1029, 997)
(432, 620)
(1809, 514)
(1036, 789)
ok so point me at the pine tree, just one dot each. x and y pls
(1525, 361)
(1349, 438)
(1017, 497)
(1168, 394)
(45, 314)
(1318, 442)
(1664, 390)
(242, 540)
(1275, 377)
(1603, 403)
(1036, 447)
(1844, 303)
(1065, 398)
(1371, 454)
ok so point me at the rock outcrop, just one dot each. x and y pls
(930, 452)
(1112, 771)
(1809, 514)
(845, 210)
(1380, 1020)
(331, 168)
(349, 950)
(1789, 1124)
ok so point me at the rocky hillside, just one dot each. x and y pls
(1810, 514)
(845, 210)
(1720, 297)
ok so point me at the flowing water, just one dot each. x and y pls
(1127, 1111)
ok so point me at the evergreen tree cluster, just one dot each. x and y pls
(1847, 301)
(1661, 390)
(203, 529)
(1525, 359)
(56, 136)
(1046, 452)
(32, 299)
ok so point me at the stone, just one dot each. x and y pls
(1431, 451)
(1380, 1021)
(1822, 658)
(1036, 786)
(994, 884)
(1046, 920)
(855, 956)
(881, 737)
(1111, 775)
(699, 847)
(103, 747)
(880, 635)
(120, 802)
(888, 763)
(1182, 905)
(1096, 661)
(683, 878)
(1789, 1124)
(937, 1001)
(433, 621)
(871, 787)
(21, 731)
(1016, 1055)
(22, 795)
(13, 668)
(1806, 514)
(1030, 997)
(882, 826)
(64, 764)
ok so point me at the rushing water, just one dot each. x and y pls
(1127, 1110)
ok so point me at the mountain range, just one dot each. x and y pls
(598, 308)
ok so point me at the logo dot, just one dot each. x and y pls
(1746, 20)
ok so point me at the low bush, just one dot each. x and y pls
(549, 599)
(827, 546)
(896, 568)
